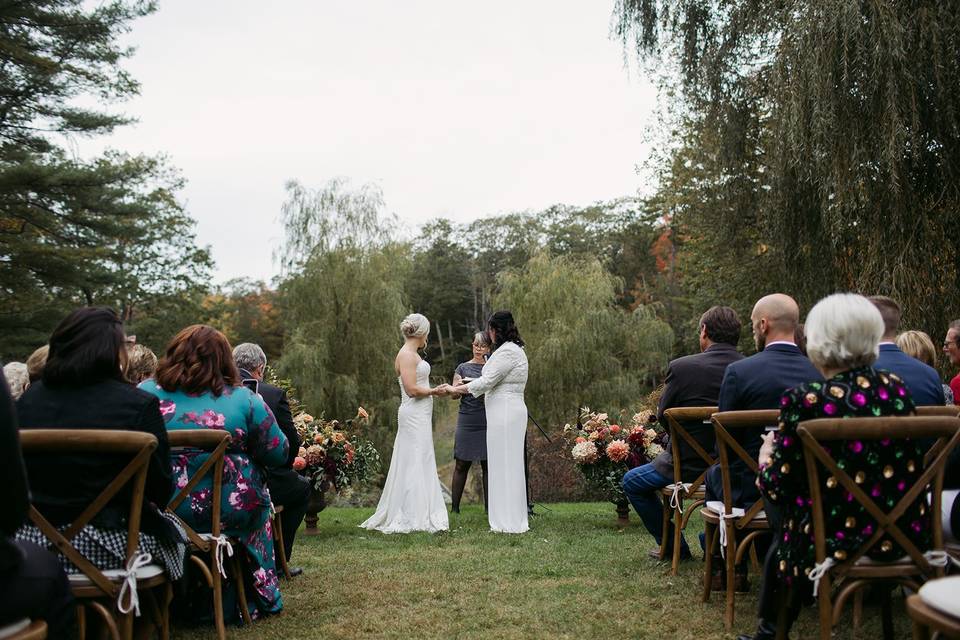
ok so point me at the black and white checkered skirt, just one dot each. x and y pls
(107, 548)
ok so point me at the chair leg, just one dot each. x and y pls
(665, 505)
(857, 609)
(241, 588)
(81, 622)
(279, 551)
(677, 532)
(920, 632)
(216, 584)
(730, 564)
(709, 533)
(825, 607)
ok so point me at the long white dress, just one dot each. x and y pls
(412, 499)
(502, 383)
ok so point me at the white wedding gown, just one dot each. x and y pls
(412, 499)
(502, 382)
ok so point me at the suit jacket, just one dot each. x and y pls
(62, 486)
(921, 379)
(285, 484)
(693, 381)
(759, 382)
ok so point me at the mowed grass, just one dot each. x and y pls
(574, 575)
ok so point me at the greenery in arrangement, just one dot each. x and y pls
(575, 575)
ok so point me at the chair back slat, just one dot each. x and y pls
(137, 444)
(675, 419)
(723, 424)
(948, 411)
(215, 443)
(946, 429)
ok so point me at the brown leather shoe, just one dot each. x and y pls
(718, 582)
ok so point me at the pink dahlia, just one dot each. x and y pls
(618, 450)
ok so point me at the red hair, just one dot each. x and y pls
(198, 359)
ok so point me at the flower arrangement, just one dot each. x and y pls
(604, 451)
(334, 453)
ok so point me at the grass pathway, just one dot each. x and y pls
(574, 575)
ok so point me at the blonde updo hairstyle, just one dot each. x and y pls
(843, 332)
(415, 325)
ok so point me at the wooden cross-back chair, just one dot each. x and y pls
(25, 629)
(279, 551)
(928, 620)
(856, 570)
(212, 552)
(735, 529)
(950, 410)
(120, 588)
(674, 495)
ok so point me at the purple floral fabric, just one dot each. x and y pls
(257, 443)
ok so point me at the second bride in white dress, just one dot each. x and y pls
(412, 499)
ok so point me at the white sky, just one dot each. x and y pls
(455, 109)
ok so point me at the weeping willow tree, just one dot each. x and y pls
(829, 141)
(582, 348)
(342, 299)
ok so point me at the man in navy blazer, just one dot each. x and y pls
(758, 382)
(922, 379)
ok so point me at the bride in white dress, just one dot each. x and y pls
(412, 499)
(502, 382)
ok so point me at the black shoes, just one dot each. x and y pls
(668, 556)
(765, 631)
(295, 571)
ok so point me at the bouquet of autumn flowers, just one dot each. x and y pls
(334, 453)
(605, 451)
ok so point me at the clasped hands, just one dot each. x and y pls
(445, 390)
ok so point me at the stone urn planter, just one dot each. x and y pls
(316, 504)
(623, 512)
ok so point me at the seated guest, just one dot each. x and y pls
(923, 380)
(36, 362)
(17, 377)
(287, 487)
(758, 382)
(919, 345)
(83, 388)
(692, 381)
(32, 584)
(951, 347)
(754, 383)
(199, 388)
(141, 363)
(843, 334)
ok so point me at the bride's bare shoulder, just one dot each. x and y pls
(405, 357)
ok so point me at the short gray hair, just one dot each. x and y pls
(481, 337)
(843, 332)
(249, 356)
(17, 377)
(415, 325)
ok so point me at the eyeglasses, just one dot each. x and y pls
(946, 345)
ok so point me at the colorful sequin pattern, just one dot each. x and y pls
(885, 469)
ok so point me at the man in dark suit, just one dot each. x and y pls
(922, 379)
(287, 487)
(692, 381)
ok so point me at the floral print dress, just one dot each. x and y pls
(257, 443)
(885, 468)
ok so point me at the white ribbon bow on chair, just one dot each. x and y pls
(128, 590)
(222, 543)
(939, 558)
(723, 531)
(819, 570)
(676, 502)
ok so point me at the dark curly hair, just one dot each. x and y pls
(198, 359)
(506, 329)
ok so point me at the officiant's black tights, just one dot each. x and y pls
(460, 480)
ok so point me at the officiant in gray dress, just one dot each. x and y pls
(470, 441)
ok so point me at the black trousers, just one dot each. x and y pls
(291, 490)
(37, 588)
(773, 594)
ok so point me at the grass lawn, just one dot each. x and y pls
(574, 575)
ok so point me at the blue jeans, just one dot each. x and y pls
(642, 485)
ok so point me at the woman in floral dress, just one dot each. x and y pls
(199, 388)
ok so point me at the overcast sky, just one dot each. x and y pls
(455, 109)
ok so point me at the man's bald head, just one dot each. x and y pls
(774, 317)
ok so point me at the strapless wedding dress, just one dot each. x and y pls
(412, 499)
